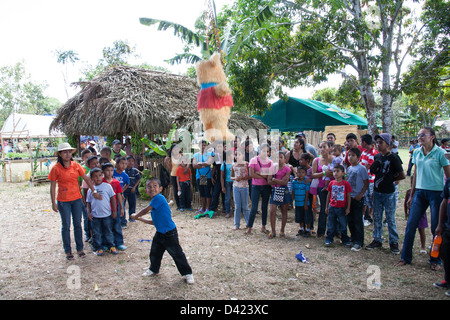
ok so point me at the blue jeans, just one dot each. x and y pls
(384, 202)
(337, 224)
(131, 198)
(87, 224)
(74, 210)
(422, 199)
(240, 196)
(185, 198)
(102, 228)
(322, 223)
(228, 191)
(262, 192)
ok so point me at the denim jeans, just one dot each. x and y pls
(102, 229)
(355, 221)
(185, 198)
(87, 224)
(216, 194)
(74, 210)
(422, 199)
(228, 191)
(337, 224)
(168, 241)
(240, 196)
(322, 223)
(444, 254)
(384, 202)
(262, 192)
(131, 198)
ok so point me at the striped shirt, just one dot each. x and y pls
(299, 189)
(367, 157)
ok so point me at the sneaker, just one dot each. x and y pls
(307, 234)
(356, 247)
(447, 293)
(113, 250)
(347, 244)
(181, 209)
(373, 245)
(367, 223)
(189, 279)
(122, 247)
(148, 273)
(300, 232)
(124, 226)
(189, 209)
(99, 252)
(327, 243)
(443, 285)
(394, 248)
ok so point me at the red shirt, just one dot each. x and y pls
(339, 193)
(347, 163)
(207, 99)
(115, 184)
(367, 159)
(181, 175)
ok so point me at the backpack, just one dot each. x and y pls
(164, 176)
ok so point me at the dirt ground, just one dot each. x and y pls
(226, 264)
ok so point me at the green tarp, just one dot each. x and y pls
(303, 114)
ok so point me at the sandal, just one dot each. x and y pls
(81, 254)
(282, 235)
(401, 263)
(435, 266)
(69, 256)
(271, 235)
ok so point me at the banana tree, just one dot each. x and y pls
(161, 149)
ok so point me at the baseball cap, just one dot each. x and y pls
(385, 136)
(116, 142)
(300, 134)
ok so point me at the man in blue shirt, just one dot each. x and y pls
(166, 236)
(202, 162)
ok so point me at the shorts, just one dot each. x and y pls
(423, 223)
(287, 197)
(205, 191)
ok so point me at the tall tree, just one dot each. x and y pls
(65, 58)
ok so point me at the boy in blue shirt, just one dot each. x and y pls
(166, 236)
(130, 193)
(120, 175)
(303, 209)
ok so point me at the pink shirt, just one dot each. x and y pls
(263, 167)
(281, 173)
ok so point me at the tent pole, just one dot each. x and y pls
(31, 158)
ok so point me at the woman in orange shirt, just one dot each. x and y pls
(68, 199)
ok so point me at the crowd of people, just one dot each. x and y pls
(341, 188)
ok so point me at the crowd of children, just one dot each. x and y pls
(355, 186)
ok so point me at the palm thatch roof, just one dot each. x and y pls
(124, 100)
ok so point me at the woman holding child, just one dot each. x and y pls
(68, 200)
(325, 159)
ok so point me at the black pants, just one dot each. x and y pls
(355, 221)
(444, 254)
(168, 241)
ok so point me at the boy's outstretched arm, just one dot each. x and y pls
(144, 211)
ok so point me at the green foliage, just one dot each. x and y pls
(145, 176)
(20, 94)
(162, 149)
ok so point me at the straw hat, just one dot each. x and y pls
(65, 146)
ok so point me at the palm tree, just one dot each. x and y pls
(235, 34)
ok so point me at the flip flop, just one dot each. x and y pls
(70, 257)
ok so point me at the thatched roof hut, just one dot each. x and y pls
(124, 100)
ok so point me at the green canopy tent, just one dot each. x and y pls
(304, 114)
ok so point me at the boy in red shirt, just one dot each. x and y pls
(338, 206)
(183, 175)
